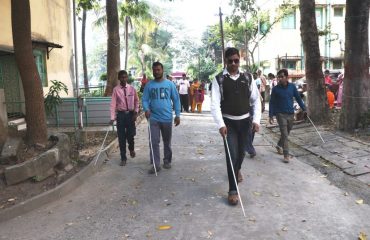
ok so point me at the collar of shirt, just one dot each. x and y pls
(233, 77)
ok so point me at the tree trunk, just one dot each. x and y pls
(83, 36)
(356, 65)
(318, 108)
(33, 93)
(126, 41)
(113, 49)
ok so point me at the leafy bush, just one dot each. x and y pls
(52, 98)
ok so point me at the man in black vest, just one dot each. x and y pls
(234, 93)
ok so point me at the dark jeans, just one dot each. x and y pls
(156, 129)
(184, 99)
(126, 131)
(285, 121)
(237, 137)
(249, 148)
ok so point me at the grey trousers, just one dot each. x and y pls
(285, 121)
(156, 129)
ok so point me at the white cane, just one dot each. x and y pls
(101, 147)
(315, 129)
(236, 183)
(151, 148)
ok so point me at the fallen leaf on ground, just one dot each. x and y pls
(252, 219)
(351, 162)
(257, 193)
(11, 199)
(345, 194)
(276, 195)
(164, 227)
(360, 201)
(284, 229)
(324, 176)
(210, 234)
(325, 165)
(310, 202)
(362, 236)
(69, 224)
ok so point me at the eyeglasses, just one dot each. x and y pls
(231, 61)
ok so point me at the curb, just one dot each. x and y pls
(58, 192)
(62, 189)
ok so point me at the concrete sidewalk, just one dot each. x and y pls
(348, 154)
(282, 201)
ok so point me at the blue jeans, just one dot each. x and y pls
(237, 137)
(126, 131)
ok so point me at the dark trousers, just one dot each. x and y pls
(249, 148)
(237, 137)
(184, 99)
(126, 130)
(156, 130)
(285, 121)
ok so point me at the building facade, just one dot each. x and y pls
(52, 40)
(282, 48)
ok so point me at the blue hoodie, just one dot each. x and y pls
(158, 98)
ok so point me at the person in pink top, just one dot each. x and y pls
(124, 108)
(328, 80)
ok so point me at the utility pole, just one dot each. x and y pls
(222, 37)
(258, 39)
(246, 49)
(199, 66)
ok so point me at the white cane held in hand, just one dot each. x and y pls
(232, 168)
(315, 129)
(101, 147)
(151, 148)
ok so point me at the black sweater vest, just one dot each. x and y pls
(236, 94)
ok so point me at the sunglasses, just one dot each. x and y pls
(231, 61)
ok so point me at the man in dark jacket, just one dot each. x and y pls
(281, 106)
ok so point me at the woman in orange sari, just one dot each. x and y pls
(197, 95)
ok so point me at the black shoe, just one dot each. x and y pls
(152, 170)
(167, 165)
(252, 155)
(123, 163)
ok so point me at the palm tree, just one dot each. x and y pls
(136, 15)
(84, 6)
(113, 46)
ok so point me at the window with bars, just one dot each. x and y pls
(40, 60)
(338, 12)
(289, 21)
(319, 18)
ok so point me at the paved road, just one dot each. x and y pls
(282, 201)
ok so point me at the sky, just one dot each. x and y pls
(195, 15)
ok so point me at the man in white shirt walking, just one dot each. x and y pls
(233, 95)
(184, 86)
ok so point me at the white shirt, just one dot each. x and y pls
(254, 101)
(183, 86)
